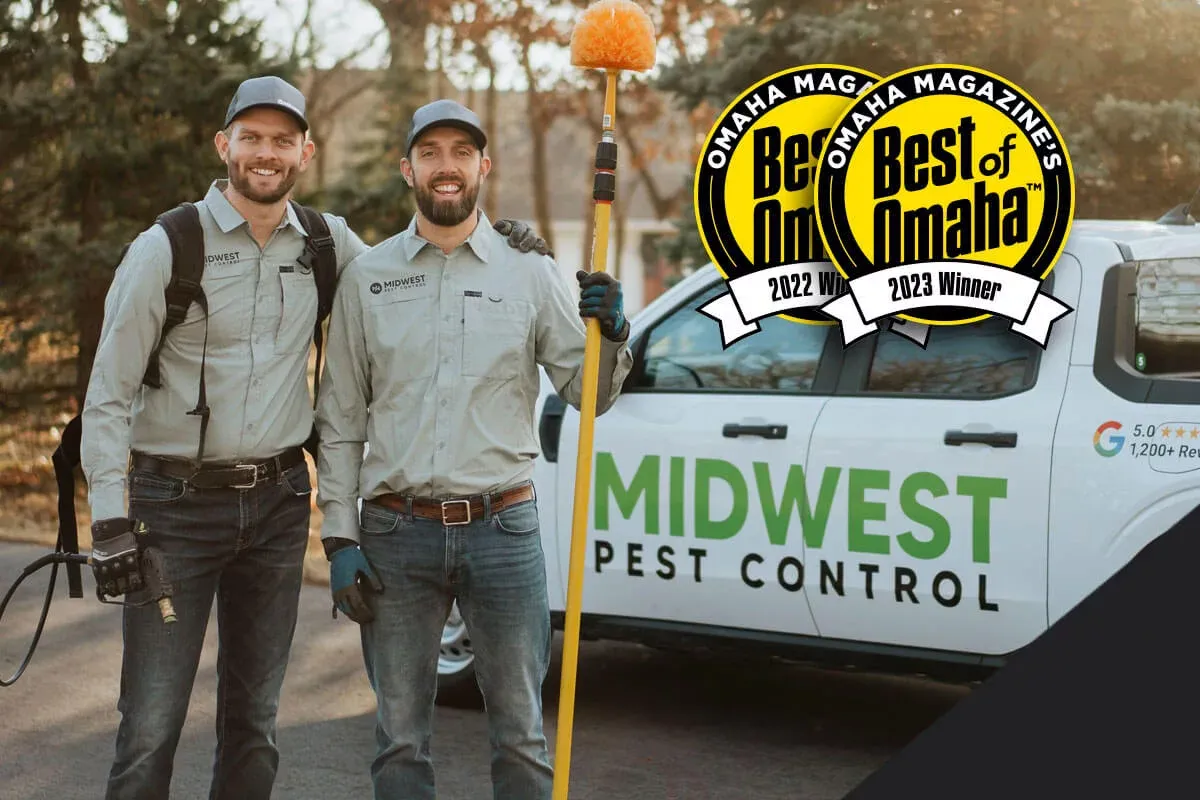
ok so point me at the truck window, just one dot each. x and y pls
(1166, 317)
(1148, 331)
(983, 359)
(683, 352)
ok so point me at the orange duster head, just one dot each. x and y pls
(614, 35)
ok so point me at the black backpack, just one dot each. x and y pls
(183, 228)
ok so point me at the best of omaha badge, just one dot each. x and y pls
(754, 197)
(944, 196)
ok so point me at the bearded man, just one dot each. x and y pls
(234, 526)
(436, 337)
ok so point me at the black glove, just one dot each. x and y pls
(521, 237)
(600, 297)
(116, 557)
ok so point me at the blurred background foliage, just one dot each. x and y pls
(108, 107)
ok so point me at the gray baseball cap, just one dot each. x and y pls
(267, 91)
(445, 112)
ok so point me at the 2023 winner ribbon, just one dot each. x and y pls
(986, 288)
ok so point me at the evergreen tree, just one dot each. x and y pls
(100, 133)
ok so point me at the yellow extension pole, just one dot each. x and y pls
(583, 482)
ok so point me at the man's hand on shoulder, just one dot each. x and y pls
(522, 237)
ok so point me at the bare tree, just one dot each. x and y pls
(328, 91)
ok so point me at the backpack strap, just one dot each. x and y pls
(320, 258)
(186, 235)
(66, 458)
(182, 225)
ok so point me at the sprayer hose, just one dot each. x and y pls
(54, 559)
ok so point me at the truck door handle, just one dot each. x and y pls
(997, 439)
(732, 430)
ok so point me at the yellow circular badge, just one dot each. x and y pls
(944, 196)
(754, 195)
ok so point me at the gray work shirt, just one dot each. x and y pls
(443, 350)
(262, 310)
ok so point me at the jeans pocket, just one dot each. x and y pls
(519, 520)
(375, 521)
(150, 487)
(297, 480)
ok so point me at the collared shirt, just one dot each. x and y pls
(433, 364)
(261, 312)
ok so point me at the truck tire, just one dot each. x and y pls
(457, 687)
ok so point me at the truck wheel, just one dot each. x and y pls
(456, 666)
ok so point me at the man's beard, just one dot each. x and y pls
(240, 178)
(447, 213)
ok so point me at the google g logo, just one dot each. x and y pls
(1110, 444)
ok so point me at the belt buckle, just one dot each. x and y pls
(466, 503)
(253, 476)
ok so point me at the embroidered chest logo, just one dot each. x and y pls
(407, 282)
(223, 258)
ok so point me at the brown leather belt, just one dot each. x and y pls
(242, 475)
(458, 510)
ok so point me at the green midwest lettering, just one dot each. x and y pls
(795, 492)
(936, 545)
(861, 511)
(675, 503)
(982, 491)
(609, 484)
(708, 470)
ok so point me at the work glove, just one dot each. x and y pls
(349, 576)
(600, 297)
(116, 557)
(521, 237)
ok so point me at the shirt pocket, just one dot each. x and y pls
(401, 342)
(496, 342)
(298, 315)
(228, 294)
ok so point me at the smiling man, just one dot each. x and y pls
(232, 518)
(237, 535)
(435, 341)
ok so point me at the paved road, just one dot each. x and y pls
(649, 725)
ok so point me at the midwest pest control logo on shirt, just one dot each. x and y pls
(407, 282)
(753, 196)
(941, 195)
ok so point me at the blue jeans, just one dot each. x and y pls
(494, 567)
(245, 547)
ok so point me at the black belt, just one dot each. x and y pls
(242, 475)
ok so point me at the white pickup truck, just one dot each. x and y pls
(882, 505)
